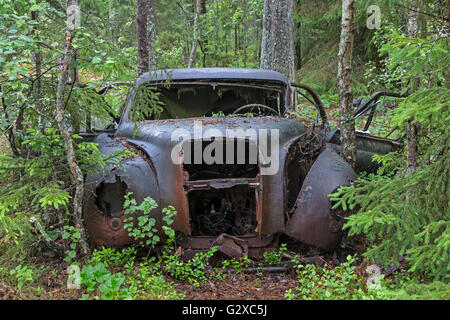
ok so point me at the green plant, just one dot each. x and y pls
(141, 227)
(274, 257)
(412, 289)
(147, 104)
(155, 287)
(403, 209)
(22, 274)
(323, 283)
(218, 114)
(98, 277)
(74, 235)
(193, 270)
(238, 264)
(147, 282)
(113, 257)
(35, 188)
(400, 218)
(169, 213)
(219, 274)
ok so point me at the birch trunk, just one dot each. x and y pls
(195, 39)
(347, 120)
(64, 130)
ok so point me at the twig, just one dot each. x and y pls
(51, 244)
(329, 265)
(106, 88)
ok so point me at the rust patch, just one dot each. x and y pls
(137, 150)
(231, 246)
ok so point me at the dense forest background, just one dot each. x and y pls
(403, 216)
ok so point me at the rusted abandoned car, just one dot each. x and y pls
(241, 202)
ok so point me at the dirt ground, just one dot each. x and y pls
(242, 287)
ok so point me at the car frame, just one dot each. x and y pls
(260, 208)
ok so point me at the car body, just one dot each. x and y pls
(237, 205)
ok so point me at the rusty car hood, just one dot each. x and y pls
(160, 131)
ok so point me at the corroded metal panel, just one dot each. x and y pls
(312, 221)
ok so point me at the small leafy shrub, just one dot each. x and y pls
(218, 114)
(413, 290)
(22, 274)
(274, 257)
(142, 227)
(74, 235)
(403, 285)
(169, 213)
(36, 184)
(98, 277)
(147, 282)
(113, 257)
(238, 264)
(322, 283)
(193, 270)
(156, 287)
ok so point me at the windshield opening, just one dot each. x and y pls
(190, 100)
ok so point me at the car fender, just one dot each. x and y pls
(312, 220)
(136, 175)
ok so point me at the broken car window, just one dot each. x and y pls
(189, 100)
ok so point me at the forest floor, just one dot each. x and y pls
(50, 281)
(3, 145)
(51, 285)
(241, 287)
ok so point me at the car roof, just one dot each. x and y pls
(212, 74)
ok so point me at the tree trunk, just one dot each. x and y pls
(202, 6)
(244, 33)
(111, 18)
(194, 41)
(186, 33)
(64, 130)
(151, 29)
(37, 58)
(297, 40)
(277, 45)
(258, 39)
(412, 128)
(217, 45)
(142, 7)
(236, 46)
(347, 120)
